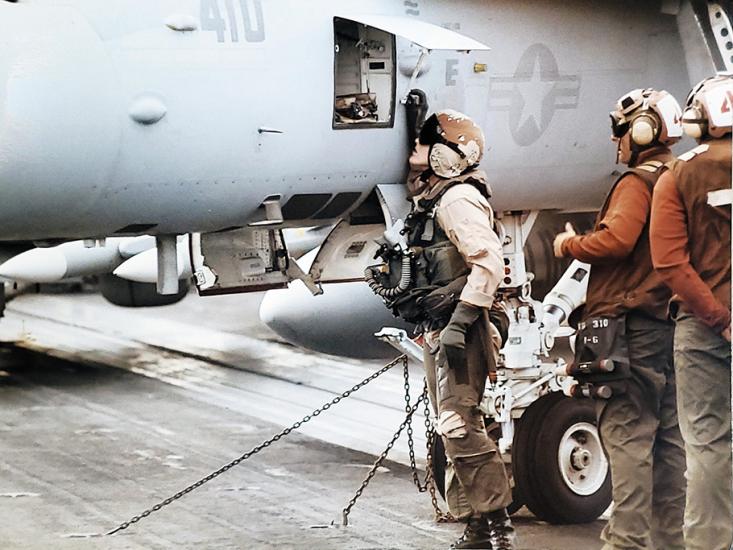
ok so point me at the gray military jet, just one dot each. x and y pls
(213, 125)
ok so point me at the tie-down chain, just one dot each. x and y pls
(422, 486)
(410, 410)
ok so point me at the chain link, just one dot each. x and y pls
(377, 463)
(264, 445)
(421, 486)
(430, 435)
(429, 483)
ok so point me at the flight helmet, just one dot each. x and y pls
(709, 108)
(456, 143)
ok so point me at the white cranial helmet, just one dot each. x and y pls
(651, 118)
(709, 108)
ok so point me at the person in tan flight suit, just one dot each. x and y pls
(690, 244)
(625, 321)
(457, 264)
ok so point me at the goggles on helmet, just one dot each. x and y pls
(619, 125)
(624, 107)
(693, 93)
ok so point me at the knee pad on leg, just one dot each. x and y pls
(452, 425)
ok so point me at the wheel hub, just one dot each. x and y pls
(581, 460)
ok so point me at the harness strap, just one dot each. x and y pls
(651, 166)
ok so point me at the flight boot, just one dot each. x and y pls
(476, 536)
(501, 531)
(492, 531)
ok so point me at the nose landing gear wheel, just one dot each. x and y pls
(559, 464)
(560, 471)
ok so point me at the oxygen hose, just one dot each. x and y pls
(390, 293)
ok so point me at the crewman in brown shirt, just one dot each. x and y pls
(690, 244)
(625, 322)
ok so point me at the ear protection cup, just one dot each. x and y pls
(445, 162)
(645, 129)
(693, 123)
(693, 129)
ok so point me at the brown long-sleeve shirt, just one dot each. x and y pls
(622, 278)
(619, 230)
(671, 256)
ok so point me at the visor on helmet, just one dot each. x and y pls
(430, 131)
(619, 125)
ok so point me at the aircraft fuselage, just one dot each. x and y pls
(112, 122)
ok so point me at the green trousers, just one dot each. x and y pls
(702, 361)
(642, 441)
(476, 479)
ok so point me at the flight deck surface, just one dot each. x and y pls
(85, 446)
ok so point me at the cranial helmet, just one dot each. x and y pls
(456, 143)
(651, 118)
(709, 108)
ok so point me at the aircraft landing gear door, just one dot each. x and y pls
(365, 78)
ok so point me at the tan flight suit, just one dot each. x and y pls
(638, 425)
(476, 479)
(691, 245)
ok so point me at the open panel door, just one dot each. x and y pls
(425, 35)
(346, 252)
(365, 64)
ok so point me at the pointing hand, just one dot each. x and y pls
(561, 238)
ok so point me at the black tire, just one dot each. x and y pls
(439, 462)
(516, 503)
(128, 294)
(527, 429)
(572, 484)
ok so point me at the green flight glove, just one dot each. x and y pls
(453, 337)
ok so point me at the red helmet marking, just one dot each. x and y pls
(727, 100)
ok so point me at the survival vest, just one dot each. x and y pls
(702, 176)
(616, 289)
(439, 271)
(630, 284)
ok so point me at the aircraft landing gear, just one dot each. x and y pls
(560, 472)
